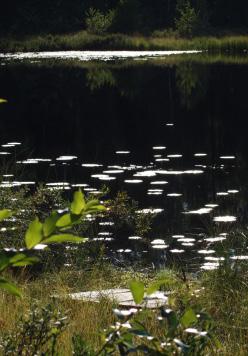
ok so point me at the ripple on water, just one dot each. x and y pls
(133, 181)
(201, 211)
(225, 218)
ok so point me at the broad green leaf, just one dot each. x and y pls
(2, 101)
(138, 290)
(63, 238)
(91, 204)
(78, 204)
(68, 220)
(188, 318)
(50, 224)
(95, 209)
(21, 260)
(4, 214)
(34, 234)
(4, 262)
(9, 287)
(65, 220)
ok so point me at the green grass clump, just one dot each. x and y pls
(225, 296)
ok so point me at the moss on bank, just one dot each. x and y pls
(84, 41)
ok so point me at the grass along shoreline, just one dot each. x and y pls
(222, 294)
(84, 41)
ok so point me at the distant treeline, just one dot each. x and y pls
(125, 16)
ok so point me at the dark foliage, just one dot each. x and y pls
(144, 16)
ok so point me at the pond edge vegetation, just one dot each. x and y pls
(82, 41)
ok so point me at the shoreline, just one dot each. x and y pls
(82, 41)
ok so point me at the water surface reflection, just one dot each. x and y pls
(172, 136)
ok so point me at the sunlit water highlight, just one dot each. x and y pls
(91, 55)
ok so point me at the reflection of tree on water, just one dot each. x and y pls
(192, 82)
(99, 77)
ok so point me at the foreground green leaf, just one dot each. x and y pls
(65, 220)
(188, 318)
(63, 238)
(21, 260)
(4, 262)
(2, 101)
(10, 287)
(78, 204)
(138, 290)
(4, 214)
(34, 234)
(96, 209)
(50, 224)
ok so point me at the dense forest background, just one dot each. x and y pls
(125, 16)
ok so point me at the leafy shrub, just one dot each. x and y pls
(80, 347)
(35, 335)
(187, 331)
(188, 20)
(97, 22)
(56, 229)
(26, 204)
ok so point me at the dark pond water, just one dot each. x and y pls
(172, 133)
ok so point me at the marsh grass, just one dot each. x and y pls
(225, 297)
(222, 294)
(85, 41)
(85, 318)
